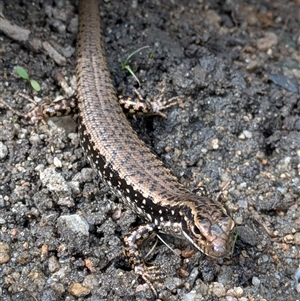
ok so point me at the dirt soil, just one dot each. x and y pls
(237, 67)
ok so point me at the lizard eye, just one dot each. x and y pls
(196, 230)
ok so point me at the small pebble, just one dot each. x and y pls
(297, 275)
(218, 289)
(53, 264)
(91, 281)
(213, 144)
(57, 163)
(54, 181)
(230, 298)
(3, 150)
(77, 290)
(297, 278)
(225, 274)
(86, 175)
(76, 223)
(58, 287)
(289, 238)
(35, 139)
(4, 253)
(269, 40)
(242, 136)
(247, 134)
(191, 296)
(183, 273)
(297, 238)
(255, 281)
(237, 292)
(187, 253)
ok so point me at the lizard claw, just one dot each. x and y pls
(149, 274)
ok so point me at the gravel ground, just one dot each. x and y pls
(237, 67)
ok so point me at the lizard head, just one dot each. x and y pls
(208, 228)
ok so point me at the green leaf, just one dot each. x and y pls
(133, 53)
(132, 73)
(22, 72)
(35, 85)
(151, 55)
(125, 66)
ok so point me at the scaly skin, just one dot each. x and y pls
(134, 173)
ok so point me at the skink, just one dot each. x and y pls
(134, 173)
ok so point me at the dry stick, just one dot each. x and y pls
(25, 37)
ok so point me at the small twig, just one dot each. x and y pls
(27, 38)
(222, 189)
